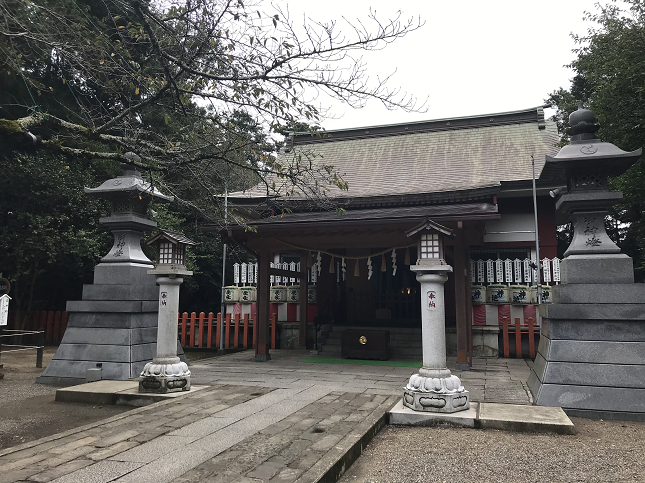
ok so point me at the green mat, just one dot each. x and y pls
(360, 362)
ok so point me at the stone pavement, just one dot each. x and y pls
(280, 421)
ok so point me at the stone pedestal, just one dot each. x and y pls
(113, 328)
(166, 373)
(591, 357)
(434, 388)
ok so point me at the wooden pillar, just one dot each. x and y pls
(262, 322)
(302, 331)
(469, 305)
(461, 304)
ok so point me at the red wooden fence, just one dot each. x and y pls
(530, 322)
(196, 330)
(53, 323)
(239, 331)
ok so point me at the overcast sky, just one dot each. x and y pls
(471, 57)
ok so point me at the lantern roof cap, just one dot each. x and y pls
(428, 224)
(171, 236)
(583, 124)
(130, 182)
(585, 152)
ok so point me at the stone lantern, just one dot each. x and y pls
(434, 388)
(108, 335)
(590, 358)
(167, 373)
(586, 164)
(129, 195)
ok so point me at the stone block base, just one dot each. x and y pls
(592, 367)
(435, 401)
(603, 269)
(163, 385)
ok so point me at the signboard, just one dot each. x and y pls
(5, 286)
(4, 309)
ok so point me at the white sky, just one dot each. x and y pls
(471, 57)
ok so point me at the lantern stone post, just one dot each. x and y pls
(167, 373)
(433, 388)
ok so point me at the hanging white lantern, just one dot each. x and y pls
(292, 267)
(236, 273)
(527, 270)
(546, 270)
(517, 266)
(508, 271)
(556, 270)
(499, 271)
(243, 273)
(490, 272)
(480, 271)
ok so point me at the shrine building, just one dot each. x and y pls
(349, 268)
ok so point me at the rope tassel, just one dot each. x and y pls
(407, 257)
(331, 265)
(357, 272)
(383, 264)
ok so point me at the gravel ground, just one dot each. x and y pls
(601, 451)
(28, 410)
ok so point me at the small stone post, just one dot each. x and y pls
(434, 388)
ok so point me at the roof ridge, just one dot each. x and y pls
(530, 115)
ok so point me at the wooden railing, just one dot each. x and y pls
(204, 331)
(517, 329)
(52, 322)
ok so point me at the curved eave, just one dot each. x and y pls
(112, 192)
(625, 155)
(382, 216)
(613, 164)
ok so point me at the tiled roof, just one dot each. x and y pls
(432, 157)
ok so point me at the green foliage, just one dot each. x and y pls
(197, 88)
(49, 233)
(610, 77)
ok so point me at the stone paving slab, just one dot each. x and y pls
(404, 416)
(279, 421)
(535, 419)
(114, 392)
